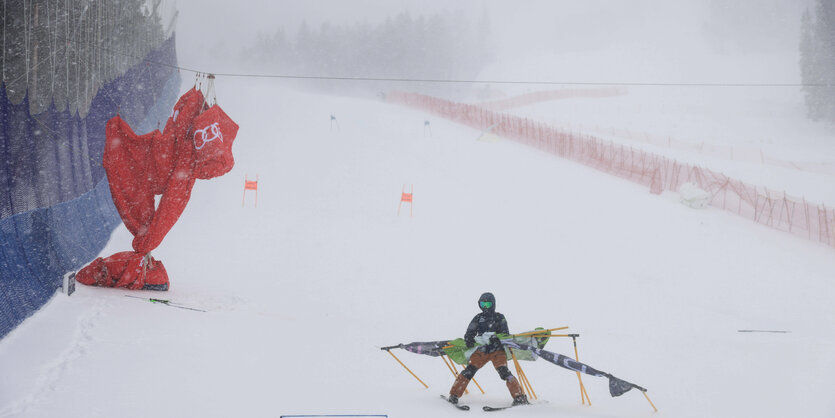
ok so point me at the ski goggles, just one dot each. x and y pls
(485, 304)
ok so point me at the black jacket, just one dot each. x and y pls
(487, 321)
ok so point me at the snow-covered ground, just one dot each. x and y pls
(758, 134)
(302, 291)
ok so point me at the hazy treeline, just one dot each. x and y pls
(741, 26)
(817, 60)
(64, 50)
(441, 46)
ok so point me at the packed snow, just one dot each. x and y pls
(301, 291)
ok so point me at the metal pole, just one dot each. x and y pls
(67, 50)
(26, 40)
(4, 42)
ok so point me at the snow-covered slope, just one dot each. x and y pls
(739, 114)
(302, 291)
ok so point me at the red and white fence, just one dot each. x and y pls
(774, 209)
(713, 150)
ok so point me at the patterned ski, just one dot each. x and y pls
(461, 407)
(166, 302)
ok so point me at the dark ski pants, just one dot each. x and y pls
(479, 359)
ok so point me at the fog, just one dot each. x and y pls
(680, 37)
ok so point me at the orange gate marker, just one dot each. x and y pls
(250, 185)
(406, 198)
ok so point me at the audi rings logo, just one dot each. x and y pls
(206, 135)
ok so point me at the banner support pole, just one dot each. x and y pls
(522, 377)
(537, 332)
(583, 394)
(452, 369)
(650, 402)
(454, 374)
(473, 379)
(407, 369)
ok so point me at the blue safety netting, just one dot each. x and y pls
(56, 212)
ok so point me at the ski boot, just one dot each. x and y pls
(520, 400)
(452, 399)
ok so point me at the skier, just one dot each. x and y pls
(485, 326)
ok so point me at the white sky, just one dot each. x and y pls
(220, 28)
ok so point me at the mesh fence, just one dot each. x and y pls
(61, 52)
(713, 150)
(56, 212)
(544, 96)
(775, 209)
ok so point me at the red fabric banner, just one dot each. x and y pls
(196, 143)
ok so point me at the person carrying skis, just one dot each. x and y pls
(484, 327)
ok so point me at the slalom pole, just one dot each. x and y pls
(522, 376)
(407, 369)
(650, 402)
(541, 331)
(583, 394)
(454, 373)
(477, 385)
(452, 369)
(473, 379)
(527, 381)
(518, 371)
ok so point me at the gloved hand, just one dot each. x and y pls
(470, 343)
(495, 343)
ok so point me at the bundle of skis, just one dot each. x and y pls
(526, 346)
(617, 386)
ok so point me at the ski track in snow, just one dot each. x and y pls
(51, 374)
(324, 269)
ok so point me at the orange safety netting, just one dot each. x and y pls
(713, 150)
(544, 96)
(777, 210)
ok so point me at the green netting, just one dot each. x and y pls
(460, 354)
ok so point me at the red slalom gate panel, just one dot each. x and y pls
(406, 198)
(250, 185)
(778, 210)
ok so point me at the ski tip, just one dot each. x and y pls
(459, 406)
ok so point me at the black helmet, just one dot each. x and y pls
(487, 302)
